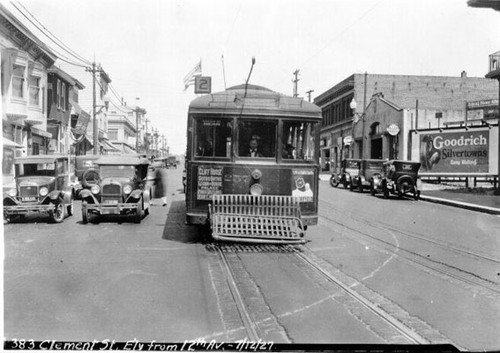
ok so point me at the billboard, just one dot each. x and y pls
(464, 152)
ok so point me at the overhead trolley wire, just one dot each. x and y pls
(62, 45)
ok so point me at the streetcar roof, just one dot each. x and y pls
(254, 100)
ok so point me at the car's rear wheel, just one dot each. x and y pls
(372, 189)
(59, 213)
(385, 190)
(360, 187)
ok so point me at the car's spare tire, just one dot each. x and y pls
(90, 177)
(404, 184)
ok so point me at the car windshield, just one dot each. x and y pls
(125, 171)
(29, 169)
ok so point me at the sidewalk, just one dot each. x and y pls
(480, 199)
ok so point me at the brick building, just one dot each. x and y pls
(406, 101)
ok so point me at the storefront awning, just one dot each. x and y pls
(107, 146)
(42, 133)
(9, 143)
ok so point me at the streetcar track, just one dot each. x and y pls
(404, 330)
(384, 226)
(473, 280)
(392, 315)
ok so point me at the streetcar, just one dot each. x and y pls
(252, 165)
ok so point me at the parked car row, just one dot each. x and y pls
(379, 176)
(105, 184)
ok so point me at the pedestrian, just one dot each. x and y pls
(160, 186)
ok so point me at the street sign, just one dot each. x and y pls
(203, 84)
(393, 129)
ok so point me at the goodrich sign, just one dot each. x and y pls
(458, 152)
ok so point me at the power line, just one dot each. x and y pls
(75, 54)
(62, 57)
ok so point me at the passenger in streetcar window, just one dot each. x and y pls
(253, 147)
(287, 152)
(205, 149)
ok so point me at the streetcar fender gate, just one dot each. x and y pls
(257, 219)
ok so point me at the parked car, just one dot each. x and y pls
(122, 188)
(348, 169)
(43, 185)
(86, 171)
(397, 177)
(172, 162)
(368, 169)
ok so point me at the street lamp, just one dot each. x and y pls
(355, 119)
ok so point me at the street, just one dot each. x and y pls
(433, 269)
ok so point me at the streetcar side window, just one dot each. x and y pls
(213, 137)
(257, 138)
(298, 141)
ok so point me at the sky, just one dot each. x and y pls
(148, 46)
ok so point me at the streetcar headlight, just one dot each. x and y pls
(12, 192)
(95, 189)
(44, 191)
(127, 189)
(256, 189)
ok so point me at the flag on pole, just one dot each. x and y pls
(189, 78)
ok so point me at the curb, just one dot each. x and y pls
(459, 204)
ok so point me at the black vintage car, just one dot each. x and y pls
(348, 169)
(397, 177)
(43, 185)
(368, 169)
(122, 188)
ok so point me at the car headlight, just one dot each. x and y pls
(95, 189)
(12, 192)
(44, 191)
(127, 189)
(256, 189)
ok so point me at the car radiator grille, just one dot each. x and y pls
(111, 190)
(28, 191)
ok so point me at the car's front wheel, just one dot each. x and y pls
(139, 212)
(333, 181)
(85, 213)
(58, 214)
(70, 208)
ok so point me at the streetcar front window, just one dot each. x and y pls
(213, 137)
(257, 138)
(298, 140)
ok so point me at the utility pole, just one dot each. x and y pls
(309, 94)
(93, 70)
(295, 81)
